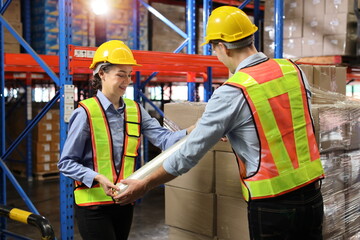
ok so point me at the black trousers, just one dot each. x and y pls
(297, 215)
(110, 222)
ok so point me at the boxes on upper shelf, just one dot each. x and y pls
(292, 47)
(45, 26)
(340, 6)
(340, 44)
(292, 29)
(292, 9)
(13, 12)
(340, 23)
(312, 46)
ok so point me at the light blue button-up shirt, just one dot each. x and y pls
(226, 114)
(76, 159)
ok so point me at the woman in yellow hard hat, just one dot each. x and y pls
(103, 144)
(264, 111)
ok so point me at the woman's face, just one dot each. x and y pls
(116, 80)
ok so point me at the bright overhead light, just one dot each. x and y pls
(99, 7)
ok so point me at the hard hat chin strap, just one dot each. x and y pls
(99, 66)
(245, 42)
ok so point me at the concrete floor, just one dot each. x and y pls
(148, 220)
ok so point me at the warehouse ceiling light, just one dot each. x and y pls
(99, 7)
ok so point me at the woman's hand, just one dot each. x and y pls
(109, 188)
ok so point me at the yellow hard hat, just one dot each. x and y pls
(115, 52)
(228, 24)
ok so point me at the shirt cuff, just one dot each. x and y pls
(89, 178)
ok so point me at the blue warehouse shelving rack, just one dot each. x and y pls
(72, 65)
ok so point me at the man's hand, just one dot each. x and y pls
(109, 188)
(135, 190)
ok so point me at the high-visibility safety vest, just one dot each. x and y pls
(289, 156)
(102, 147)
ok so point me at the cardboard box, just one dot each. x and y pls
(313, 26)
(312, 46)
(315, 117)
(340, 44)
(176, 113)
(232, 220)
(292, 9)
(185, 114)
(292, 48)
(43, 157)
(45, 167)
(42, 147)
(55, 145)
(222, 146)
(180, 234)
(44, 136)
(292, 29)
(201, 178)
(341, 23)
(314, 7)
(12, 47)
(334, 216)
(13, 12)
(340, 6)
(227, 175)
(309, 72)
(8, 37)
(330, 78)
(190, 210)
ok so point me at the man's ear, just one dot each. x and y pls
(224, 48)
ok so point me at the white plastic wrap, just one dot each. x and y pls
(338, 129)
(154, 164)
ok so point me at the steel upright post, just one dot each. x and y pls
(190, 28)
(66, 184)
(207, 6)
(278, 18)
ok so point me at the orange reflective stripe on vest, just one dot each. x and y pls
(102, 147)
(289, 157)
(132, 138)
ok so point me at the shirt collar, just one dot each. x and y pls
(105, 101)
(252, 60)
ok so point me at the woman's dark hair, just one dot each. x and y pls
(96, 81)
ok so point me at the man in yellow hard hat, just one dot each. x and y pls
(264, 111)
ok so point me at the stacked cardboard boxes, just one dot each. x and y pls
(206, 202)
(336, 122)
(292, 25)
(327, 78)
(46, 144)
(339, 144)
(119, 23)
(328, 27)
(13, 16)
(45, 25)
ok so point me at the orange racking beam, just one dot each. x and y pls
(174, 65)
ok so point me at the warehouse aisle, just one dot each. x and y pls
(148, 220)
